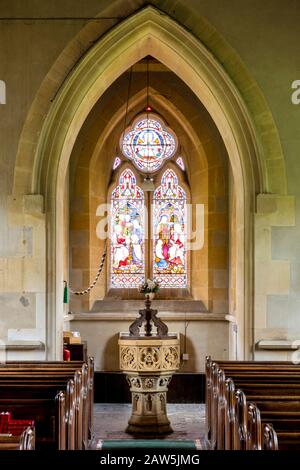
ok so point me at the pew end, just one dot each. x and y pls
(269, 438)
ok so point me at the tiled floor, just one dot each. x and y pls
(187, 420)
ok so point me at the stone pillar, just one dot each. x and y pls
(149, 404)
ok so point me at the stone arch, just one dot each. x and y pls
(146, 32)
(91, 161)
(114, 127)
(266, 134)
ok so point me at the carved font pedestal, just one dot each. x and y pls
(149, 363)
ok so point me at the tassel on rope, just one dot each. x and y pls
(66, 293)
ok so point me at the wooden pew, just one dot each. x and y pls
(43, 409)
(53, 366)
(26, 441)
(61, 421)
(254, 428)
(284, 417)
(251, 373)
(243, 427)
(269, 438)
(231, 424)
(288, 441)
(35, 386)
(286, 424)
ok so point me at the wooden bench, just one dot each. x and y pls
(233, 368)
(26, 441)
(251, 417)
(58, 396)
(53, 366)
(274, 391)
(37, 397)
(41, 405)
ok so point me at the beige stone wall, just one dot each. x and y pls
(202, 337)
(34, 73)
(79, 231)
(210, 264)
(272, 276)
(22, 277)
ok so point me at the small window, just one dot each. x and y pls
(180, 163)
(148, 143)
(116, 163)
(154, 246)
(169, 240)
(127, 233)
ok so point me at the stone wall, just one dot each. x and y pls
(259, 53)
(198, 338)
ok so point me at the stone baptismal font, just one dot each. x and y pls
(149, 361)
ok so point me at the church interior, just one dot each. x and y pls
(149, 225)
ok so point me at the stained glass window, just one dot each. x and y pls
(180, 163)
(169, 226)
(116, 163)
(127, 233)
(148, 144)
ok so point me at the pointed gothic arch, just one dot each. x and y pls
(147, 32)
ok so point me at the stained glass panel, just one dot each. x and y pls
(169, 226)
(117, 162)
(127, 233)
(148, 144)
(180, 163)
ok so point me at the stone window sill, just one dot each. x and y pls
(277, 344)
(22, 345)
